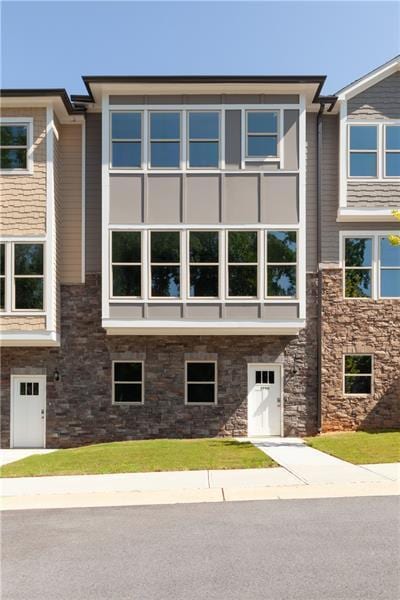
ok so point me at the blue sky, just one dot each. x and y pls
(52, 43)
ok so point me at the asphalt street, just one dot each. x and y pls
(328, 549)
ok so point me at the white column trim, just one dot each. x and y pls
(50, 249)
(105, 201)
(301, 236)
(343, 154)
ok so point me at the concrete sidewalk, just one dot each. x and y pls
(9, 455)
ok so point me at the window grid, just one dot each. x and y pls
(380, 150)
(16, 277)
(363, 151)
(172, 140)
(348, 374)
(269, 134)
(388, 152)
(126, 139)
(382, 267)
(165, 264)
(202, 140)
(202, 264)
(117, 382)
(125, 264)
(16, 146)
(230, 264)
(209, 382)
(279, 264)
(348, 268)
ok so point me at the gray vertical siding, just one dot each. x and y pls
(311, 191)
(93, 193)
(232, 139)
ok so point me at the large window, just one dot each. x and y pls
(358, 267)
(2, 275)
(242, 263)
(201, 382)
(389, 269)
(14, 141)
(28, 276)
(392, 150)
(127, 382)
(126, 263)
(165, 135)
(357, 374)
(203, 139)
(203, 263)
(126, 139)
(281, 263)
(262, 134)
(165, 263)
(363, 150)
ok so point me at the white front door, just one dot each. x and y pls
(28, 398)
(264, 400)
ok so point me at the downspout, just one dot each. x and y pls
(319, 272)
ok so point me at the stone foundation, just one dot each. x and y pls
(364, 327)
(79, 408)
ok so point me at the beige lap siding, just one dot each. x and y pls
(21, 323)
(23, 197)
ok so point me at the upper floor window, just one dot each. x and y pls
(242, 264)
(389, 269)
(2, 275)
(281, 263)
(358, 267)
(14, 145)
(363, 150)
(165, 139)
(126, 264)
(28, 276)
(392, 150)
(204, 263)
(262, 134)
(126, 139)
(203, 139)
(165, 264)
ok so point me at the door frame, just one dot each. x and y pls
(13, 379)
(281, 373)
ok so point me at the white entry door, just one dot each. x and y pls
(28, 411)
(264, 400)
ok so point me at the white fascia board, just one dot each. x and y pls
(370, 79)
(365, 214)
(29, 338)
(121, 327)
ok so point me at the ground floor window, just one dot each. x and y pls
(201, 382)
(127, 381)
(358, 373)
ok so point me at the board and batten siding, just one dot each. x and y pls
(93, 193)
(23, 197)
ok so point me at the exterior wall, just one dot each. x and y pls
(93, 193)
(79, 409)
(23, 197)
(22, 323)
(365, 327)
(380, 101)
(311, 195)
(380, 194)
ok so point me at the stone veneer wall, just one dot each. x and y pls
(359, 327)
(79, 409)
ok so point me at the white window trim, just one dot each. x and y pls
(228, 264)
(111, 139)
(383, 268)
(189, 264)
(282, 264)
(380, 151)
(388, 151)
(371, 375)
(180, 140)
(215, 383)
(28, 121)
(113, 382)
(375, 268)
(363, 151)
(132, 264)
(150, 264)
(221, 115)
(278, 134)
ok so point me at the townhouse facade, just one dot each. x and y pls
(199, 256)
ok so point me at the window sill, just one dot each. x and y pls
(16, 172)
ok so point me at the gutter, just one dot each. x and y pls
(319, 260)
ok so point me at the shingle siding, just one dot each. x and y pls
(380, 101)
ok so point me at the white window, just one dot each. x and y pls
(165, 140)
(204, 264)
(358, 369)
(15, 145)
(389, 262)
(392, 150)
(281, 261)
(128, 382)
(165, 264)
(2, 276)
(203, 139)
(358, 267)
(363, 161)
(201, 382)
(28, 277)
(242, 281)
(262, 134)
(126, 264)
(126, 139)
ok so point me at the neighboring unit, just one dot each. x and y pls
(199, 256)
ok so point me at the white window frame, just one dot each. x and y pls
(130, 264)
(113, 382)
(383, 268)
(242, 264)
(386, 151)
(285, 264)
(179, 140)
(28, 122)
(32, 311)
(189, 139)
(194, 264)
(344, 374)
(364, 151)
(215, 383)
(166, 264)
(371, 268)
(114, 167)
(3, 278)
(380, 151)
(278, 134)
(375, 277)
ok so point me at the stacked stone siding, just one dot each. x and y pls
(79, 408)
(359, 327)
(23, 197)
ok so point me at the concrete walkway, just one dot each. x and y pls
(314, 467)
(9, 455)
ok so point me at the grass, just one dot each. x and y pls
(359, 447)
(142, 456)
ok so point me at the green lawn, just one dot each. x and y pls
(359, 447)
(142, 456)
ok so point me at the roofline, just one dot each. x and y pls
(392, 62)
(49, 92)
(331, 100)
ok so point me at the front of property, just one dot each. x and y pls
(199, 256)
